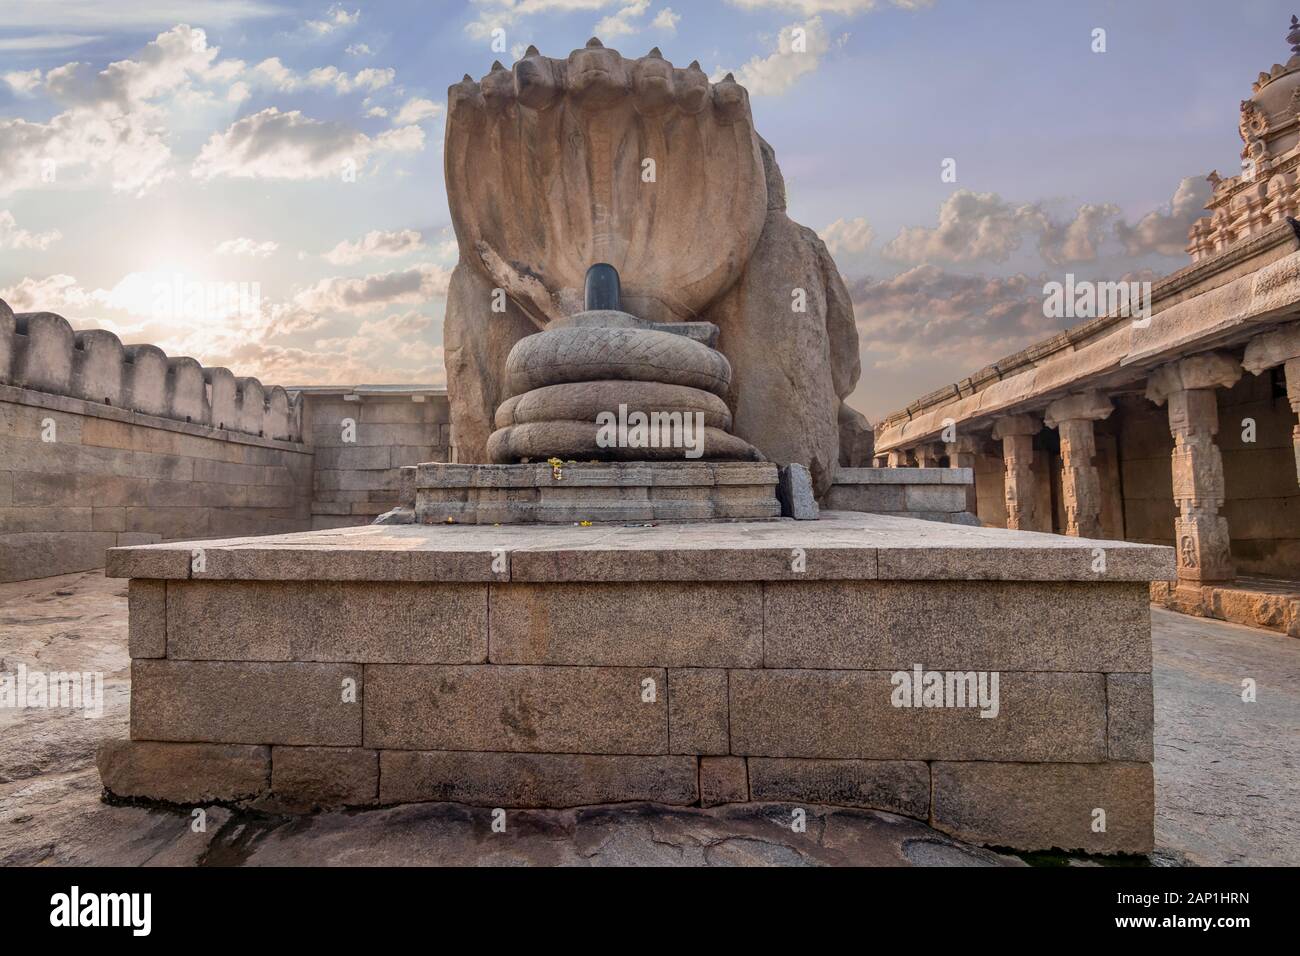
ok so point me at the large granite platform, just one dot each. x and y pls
(528, 666)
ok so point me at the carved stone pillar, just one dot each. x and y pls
(961, 454)
(1200, 534)
(927, 456)
(1016, 433)
(1073, 418)
(898, 458)
(1280, 347)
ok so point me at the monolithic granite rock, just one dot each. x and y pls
(558, 164)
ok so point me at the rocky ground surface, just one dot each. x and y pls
(1226, 777)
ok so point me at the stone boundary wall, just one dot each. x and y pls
(41, 352)
(357, 480)
(79, 477)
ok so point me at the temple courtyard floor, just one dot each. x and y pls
(1227, 777)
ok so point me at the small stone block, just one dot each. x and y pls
(723, 780)
(183, 772)
(794, 489)
(535, 780)
(1130, 717)
(312, 778)
(147, 618)
(896, 786)
(697, 711)
(1041, 806)
(597, 710)
(247, 703)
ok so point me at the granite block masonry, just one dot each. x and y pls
(992, 683)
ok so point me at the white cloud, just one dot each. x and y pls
(22, 82)
(624, 22)
(275, 145)
(985, 227)
(377, 112)
(413, 286)
(167, 64)
(336, 18)
(45, 41)
(972, 226)
(666, 19)
(370, 80)
(811, 7)
(146, 14)
(376, 244)
(799, 49)
(504, 13)
(79, 145)
(359, 49)
(848, 235)
(417, 110)
(11, 237)
(395, 328)
(1081, 238)
(1164, 232)
(273, 341)
(115, 122)
(927, 315)
(247, 247)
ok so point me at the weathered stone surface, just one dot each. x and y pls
(584, 354)
(183, 772)
(941, 498)
(849, 714)
(252, 703)
(742, 278)
(625, 624)
(723, 780)
(582, 440)
(787, 397)
(311, 778)
(857, 440)
(584, 401)
(147, 605)
(1130, 717)
(601, 710)
(621, 108)
(535, 780)
(635, 491)
(904, 476)
(1047, 805)
(839, 545)
(1206, 370)
(361, 622)
(898, 786)
(964, 625)
(796, 493)
(697, 711)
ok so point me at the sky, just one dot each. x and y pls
(284, 158)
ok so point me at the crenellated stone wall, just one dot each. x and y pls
(41, 352)
(104, 444)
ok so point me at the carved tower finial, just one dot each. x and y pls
(1293, 37)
